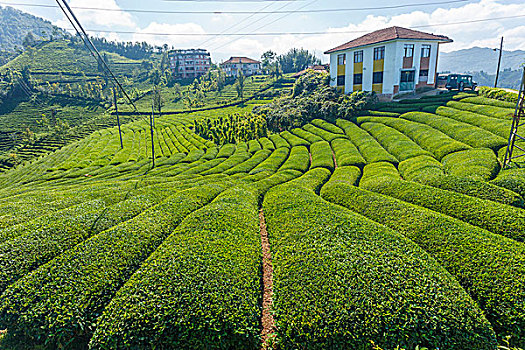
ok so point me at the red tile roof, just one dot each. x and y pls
(241, 60)
(388, 34)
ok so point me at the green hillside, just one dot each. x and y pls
(397, 227)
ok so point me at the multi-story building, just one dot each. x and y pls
(246, 65)
(388, 61)
(191, 63)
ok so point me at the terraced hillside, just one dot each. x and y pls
(396, 229)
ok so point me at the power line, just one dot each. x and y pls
(216, 12)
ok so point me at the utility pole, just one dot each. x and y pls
(118, 119)
(151, 121)
(499, 62)
(519, 115)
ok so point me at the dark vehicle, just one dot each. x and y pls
(456, 81)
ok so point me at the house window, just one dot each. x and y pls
(407, 76)
(341, 80)
(377, 78)
(358, 79)
(341, 59)
(409, 50)
(358, 56)
(425, 50)
(379, 53)
(423, 75)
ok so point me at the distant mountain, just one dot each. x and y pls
(15, 25)
(479, 59)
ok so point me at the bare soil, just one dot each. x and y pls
(268, 323)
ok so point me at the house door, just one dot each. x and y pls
(407, 80)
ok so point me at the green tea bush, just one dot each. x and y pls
(193, 156)
(251, 163)
(511, 179)
(489, 111)
(322, 133)
(377, 113)
(494, 125)
(278, 141)
(211, 153)
(377, 172)
(463, 132)
(420, 169)
(266, 143)
(347, 174)
(428, 138)
(226, 150)
(84, 279)
(323, 124)
(273, 162)
(239, 156)
(498, 94)
(183, 295)
(299, 159)
(477, 163)
(480, 100)
(495, 217)
(306, 135)
(313, 179)
(254, 146)
(346, 153)
(322, 155)
(294, 140)
(490, 267)
(396, 143)
(202, 166)
(369, 148)
(330, 261)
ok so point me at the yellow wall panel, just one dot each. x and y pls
(379, 65)
(377, 88)
(341, 69)
(358, 87)
(358, 68)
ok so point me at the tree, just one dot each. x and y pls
(296, 60)
(29, 41)
(267, 60)
(158, 101)
(240, 84)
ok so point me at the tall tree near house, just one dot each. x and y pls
(240, 84)
(267, 60)
(158, 101)
(296, 60)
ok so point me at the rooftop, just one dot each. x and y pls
(241, 60)
(389, 34)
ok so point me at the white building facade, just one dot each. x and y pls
(246, 65)
(189, 64)
(389, 61)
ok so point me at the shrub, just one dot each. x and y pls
(479, 100)
(494, 125)
(325, 135)
(84, 279)
(306, 135)
(323, 124)
(376, 172)
(369, 148)
(183, 295)
(313, 179)
(498, 94)
(322, 155)
(511, 179)
(226, 150)
(299, 159)
(267, 143)
(477, 163)
(463, 132)
(254, 146)
(428, 138)
(492, 216)
(211, 153)
(377, 113)
(251, 163)
(346, 174)
(294, 140)
(241, 155)
(490, 267)
(396, 143)
(346, 153)
(193, 156)
(330, 261)
(489, 111)
(420, 168)
(273, 162)
(278, 141)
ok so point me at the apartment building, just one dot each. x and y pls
(191, 63)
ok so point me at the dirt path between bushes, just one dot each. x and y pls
(268, 324)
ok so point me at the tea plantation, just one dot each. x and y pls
(396, 228)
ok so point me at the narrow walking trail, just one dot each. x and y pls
(268, 324)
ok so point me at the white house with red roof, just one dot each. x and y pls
(246, 65)
(388, 61)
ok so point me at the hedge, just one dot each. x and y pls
(266, 143)
(381, 171)
(193, 156)
(278, 141)
(420, 168)
(346, 174)
(211, 153)
(489, 111)
(480, 100)
(463, 132)
(346, 153)
(396, 143)
(200, 289)
(299, 159)
(491, 268)
(369, 148)
(254, 146)
(428, 138)
(273, 162)
(308, 136)
(325, 135)
(272, 180)
(341, 281)
(496, 126)
(313, 179)
(76, 286)
(477, 163)
(498, 94)
(322, 155)
(251, 163)
(202, 166)
(240, 156)
(294, 140)
(495, 217)
(377, 113)
(226, 150)
(323, 124)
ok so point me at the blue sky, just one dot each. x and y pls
(438, 19)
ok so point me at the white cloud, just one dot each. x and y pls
(179, 41)
(116, 18)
